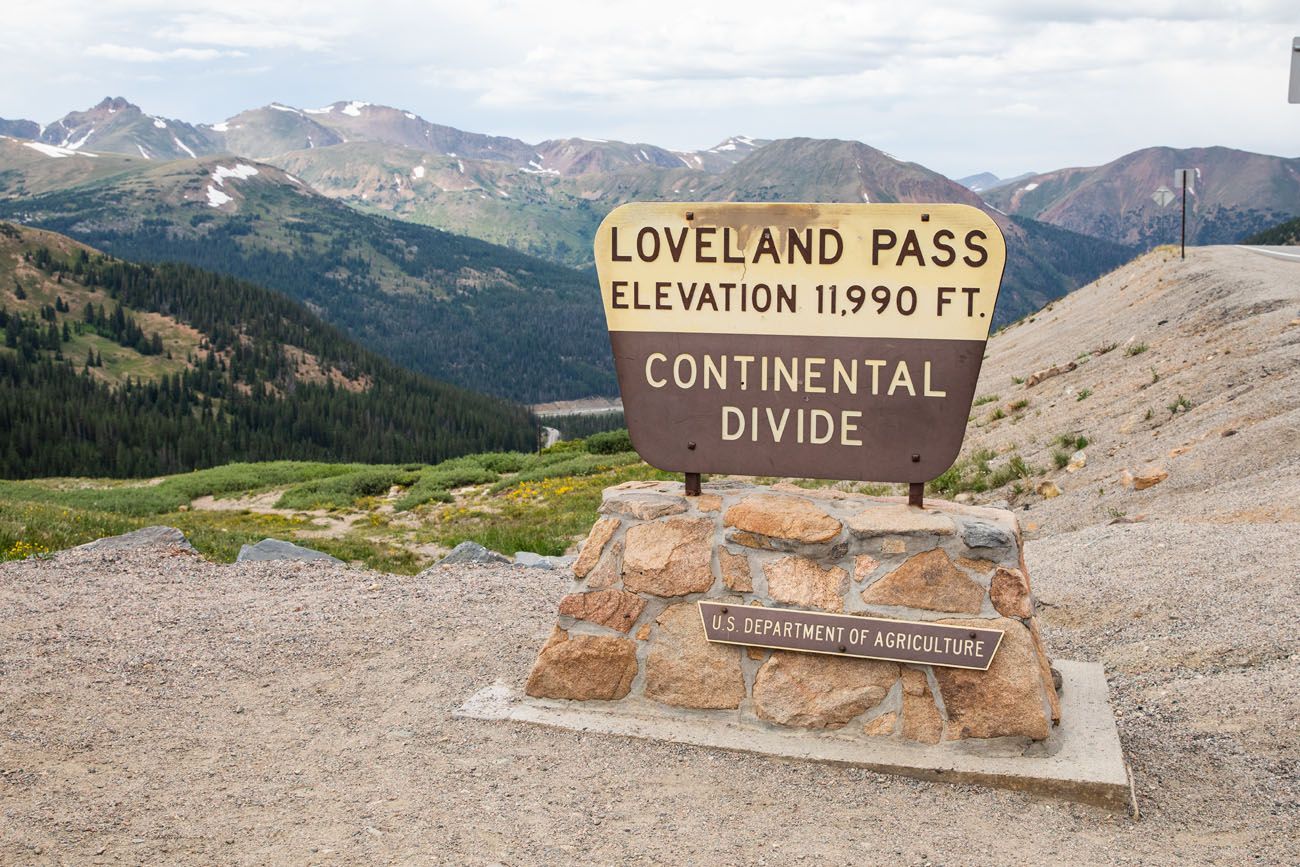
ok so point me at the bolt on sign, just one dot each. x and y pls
(815, 340)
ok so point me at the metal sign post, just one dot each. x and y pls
(1294, 95)
(1185, 178)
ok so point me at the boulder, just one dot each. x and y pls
(928, 580)
(471, 552)
(275, 549)
(643, 505)
(921, 719)
(800, 581)
(1048, 489)
(897, 519)
(1056, 370)
(165, 538)
(812, 690)
(1078, 461)
(735, 571)
(609, 571)
(863, 566)
(541, 561)
(616, 609)
(778, 516)
(1007, 700)
(583, 668)
(707, 503)
(670, 557)
(1144, 478)
(685, 670)
(881, 726)
(984, 534)
(1009, 591)
(599, 536)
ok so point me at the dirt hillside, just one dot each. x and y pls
(1220, 330)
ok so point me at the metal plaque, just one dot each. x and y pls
(846, 635)
(813, 340)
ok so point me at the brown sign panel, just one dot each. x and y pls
(831, 341)
(846, 635)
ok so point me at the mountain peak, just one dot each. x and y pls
(113, 103)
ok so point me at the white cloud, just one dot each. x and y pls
(136, 54)
(1004, 85)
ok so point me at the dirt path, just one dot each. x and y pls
(280, 713)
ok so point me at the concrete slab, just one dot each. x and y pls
(1081, 761)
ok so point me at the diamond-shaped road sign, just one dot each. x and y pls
(1163, 196)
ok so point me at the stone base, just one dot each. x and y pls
(630, 629)
(1080, 761)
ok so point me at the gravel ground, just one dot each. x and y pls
(165, 709)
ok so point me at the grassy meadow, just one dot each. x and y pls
(397, 518)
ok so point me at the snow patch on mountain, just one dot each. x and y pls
(55, 151)
(1029, 188)
(326, 110)
(144, 153)
(180, 144)
(74, 145)
(159, 123)
(417, 172)
(353, 109)
(221, 127)
(408, 115)
(533, 168)
(216, 198)
(242, 171)
(290, 110)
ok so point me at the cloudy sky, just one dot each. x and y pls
(1010, 88)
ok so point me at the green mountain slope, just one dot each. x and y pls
(456, 308)
(29, 168)
(1282, 235)
(113, 368)
(1234, 194)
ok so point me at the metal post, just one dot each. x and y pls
(916, 494)
(692, 484)
(1183, 241)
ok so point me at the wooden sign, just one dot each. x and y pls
(812, 340)
(845, 635)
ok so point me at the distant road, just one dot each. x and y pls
(1291, 253)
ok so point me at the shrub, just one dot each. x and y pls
(1135, 349)
(1072, 441)
(609, 443)
(341, 492)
